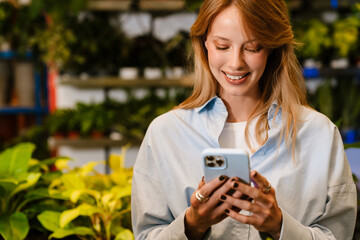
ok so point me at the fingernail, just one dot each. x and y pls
(227, 211)
(203, 179)
(222, 197)
(222, 177)
(235, 185)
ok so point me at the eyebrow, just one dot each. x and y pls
(227, 40)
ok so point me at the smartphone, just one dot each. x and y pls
(226, 161)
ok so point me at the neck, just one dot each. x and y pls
(240, 108)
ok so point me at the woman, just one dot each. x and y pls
(249, 93)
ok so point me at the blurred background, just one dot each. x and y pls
(84, 78)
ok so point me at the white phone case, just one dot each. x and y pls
(226, 161)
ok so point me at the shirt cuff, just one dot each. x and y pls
(293, 229)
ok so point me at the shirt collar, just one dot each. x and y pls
(210, 104)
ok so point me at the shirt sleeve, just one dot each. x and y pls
(338, 218)
(151, 217)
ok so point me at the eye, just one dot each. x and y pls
(221, 48)
(253, 49)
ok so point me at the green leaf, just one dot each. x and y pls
(14, 227)
(75, 195)
(7, 187)
(62, 233)
(125, 234)
(14, 161)
(31, 180)
(72, 181)
(49, 220)
(83, 210)
(46, 162)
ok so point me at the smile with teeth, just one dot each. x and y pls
(236, 77)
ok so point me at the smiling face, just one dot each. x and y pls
(236, 59)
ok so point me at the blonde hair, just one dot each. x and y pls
(282, 81)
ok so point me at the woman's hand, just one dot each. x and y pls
(206, 208)
(266, 215)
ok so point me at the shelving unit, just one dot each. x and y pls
(147, 5)
(39, 109)
(115, 82)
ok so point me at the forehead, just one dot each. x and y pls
(228, 24)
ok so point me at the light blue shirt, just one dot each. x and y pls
(316, 193)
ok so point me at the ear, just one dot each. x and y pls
(206, 44)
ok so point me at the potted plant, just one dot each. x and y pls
(100, 204)
(315, 37)
(21, 183)
(345, 40)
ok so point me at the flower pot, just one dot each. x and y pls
(97, 134)
(152, 73)
(24, 76)
(73, 135)
(340, 63)
(4, 81)
(174, 72)
(128, 73)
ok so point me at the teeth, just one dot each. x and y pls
(235, 77)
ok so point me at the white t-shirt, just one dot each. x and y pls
(233, 136)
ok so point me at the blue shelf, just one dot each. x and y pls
(23, 110)
(11, 54)
(39, 110)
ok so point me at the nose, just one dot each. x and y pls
(237, 60)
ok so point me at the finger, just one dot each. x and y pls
(251, 220)
(201, 183)
(208, 188)
(259, 180)
(253, 193)
(241, 204)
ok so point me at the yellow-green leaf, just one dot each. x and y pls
(125, 234)
(31, 180)
(62, 163)
(88, 168)
(82, 210)
(75, 195)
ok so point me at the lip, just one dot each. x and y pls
(237, 81)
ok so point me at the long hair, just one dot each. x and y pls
(282, 81)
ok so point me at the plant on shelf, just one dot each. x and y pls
(193, 5)
(58, 122)
(102, 53)
(100, 204)
(6, 12)
(345, 37)
(315, 37)
(54, 37)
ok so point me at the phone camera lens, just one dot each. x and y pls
(220, 162)
(211, 164)
(210, 158)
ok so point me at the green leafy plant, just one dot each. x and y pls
(100, 203)
(54, 36)
(345, 35)
(21, 179)
(315, 37)
(15, 178)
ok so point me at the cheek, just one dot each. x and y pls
(216, 60)
(257, 63)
